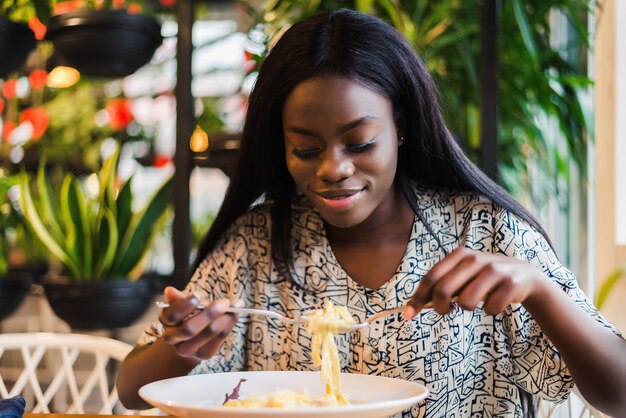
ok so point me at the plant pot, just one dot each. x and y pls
(100, 305)
(13, 289)
(16, 42)
(104, 43)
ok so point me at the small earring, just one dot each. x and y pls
(401, 141)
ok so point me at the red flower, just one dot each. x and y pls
(167, 3)
(67, 6)
(7, 128)
(8, 88)
(120, 114)
(249, 63)
(37, 27)
(1, 105)
(38, 117)
(161, 161)
(134, 8)
(37, 79)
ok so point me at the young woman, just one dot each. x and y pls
(348, 187)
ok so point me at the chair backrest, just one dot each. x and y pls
(575, 407)
(68, 373)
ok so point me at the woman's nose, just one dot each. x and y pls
(334, 166)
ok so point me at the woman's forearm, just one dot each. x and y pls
(595, 356)
(147, 364)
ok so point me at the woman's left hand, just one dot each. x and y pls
(471, 277)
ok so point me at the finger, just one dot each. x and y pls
(501, 297)
(171, 294)
(423, 294)
(454, 280)
(205, 343)
(181, 306)
(478, 289)
(194, 324)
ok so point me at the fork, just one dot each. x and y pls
(249, 311)
(341, 326)
(353, 327)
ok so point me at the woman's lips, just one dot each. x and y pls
(339, 199)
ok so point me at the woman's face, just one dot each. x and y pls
(341, 147)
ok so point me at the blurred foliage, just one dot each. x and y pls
(608, 285)
(72, 138)
(211, 119)
(24, 10)
(538, 82)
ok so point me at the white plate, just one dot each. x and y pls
(201, 396)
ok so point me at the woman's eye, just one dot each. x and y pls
(304, 154)
(358, 148)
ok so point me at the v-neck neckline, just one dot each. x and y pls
(352, 283)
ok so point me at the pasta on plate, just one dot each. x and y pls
(322, 325)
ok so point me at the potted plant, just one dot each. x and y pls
(100, 241)
(17, 39)
(101, 40)
(14, 285)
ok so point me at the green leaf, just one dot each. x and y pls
(75, 213)
(106, 247)
(107, 181)
(43, 9)
(525, 29)
(365, 6)
(607, 286)
(38, 227)
(124, 207)
(139, 236)
(48, 207)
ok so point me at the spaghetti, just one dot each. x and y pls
(322, 324)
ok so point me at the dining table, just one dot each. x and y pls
(57, 415)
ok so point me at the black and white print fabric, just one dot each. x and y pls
(472, 363)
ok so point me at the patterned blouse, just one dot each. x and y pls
(471, 362)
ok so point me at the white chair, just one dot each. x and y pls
(575, 407)
(65, 373)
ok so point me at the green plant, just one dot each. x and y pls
(25, 10)
(95, 238)
(608, 285)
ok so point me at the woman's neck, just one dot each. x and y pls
(371, 252)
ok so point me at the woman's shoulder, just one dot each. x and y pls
(458, 200)
(466, 209)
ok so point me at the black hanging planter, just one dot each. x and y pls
(16, 42)
(13, 289)
(100, 305)
(104, 43)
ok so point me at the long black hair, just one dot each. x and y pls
(368, 50)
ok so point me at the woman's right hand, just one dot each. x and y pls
(195, 333)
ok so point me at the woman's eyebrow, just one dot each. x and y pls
(355, 123)
(341, 130)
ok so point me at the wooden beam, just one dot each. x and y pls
(489, 86)
(185, 120)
